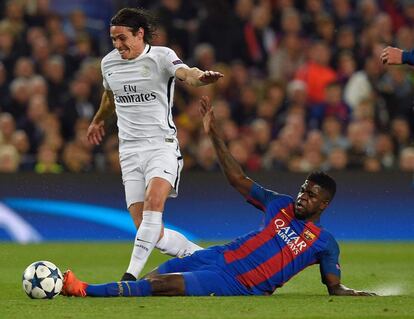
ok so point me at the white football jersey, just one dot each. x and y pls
(143, 91)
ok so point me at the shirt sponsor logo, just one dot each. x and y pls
(132, 95)
(289, 236)
(135, 98)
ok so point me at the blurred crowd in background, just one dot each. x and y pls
(304, 88)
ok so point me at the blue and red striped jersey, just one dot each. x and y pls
(265, 259)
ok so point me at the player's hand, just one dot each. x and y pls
(208, 77)
(341, 290)
(364, 293)
(206, 111)
(391, 56)
(96, 132)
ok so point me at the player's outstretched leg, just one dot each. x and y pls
(176, 244)
(159, 285)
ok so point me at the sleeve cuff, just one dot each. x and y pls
(408, 57)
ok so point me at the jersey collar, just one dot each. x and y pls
(147, 49)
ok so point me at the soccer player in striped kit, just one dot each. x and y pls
(255, 264)
(138, 79)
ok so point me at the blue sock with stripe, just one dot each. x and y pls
(141, 288)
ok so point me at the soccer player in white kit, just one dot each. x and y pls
(139, 86)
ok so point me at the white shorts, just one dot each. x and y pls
(148, 158)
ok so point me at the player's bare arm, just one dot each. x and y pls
(335, 288)
(96, 130)
(233, 171)
(392, 56)
(196, 77)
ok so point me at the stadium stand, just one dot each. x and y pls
(304, 87)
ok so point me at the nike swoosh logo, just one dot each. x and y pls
(144, 241)
(167, 172)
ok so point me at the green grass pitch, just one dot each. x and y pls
(384, 267)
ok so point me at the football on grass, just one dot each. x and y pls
(42, 280)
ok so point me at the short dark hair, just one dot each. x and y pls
(135, 18)
(325, 181)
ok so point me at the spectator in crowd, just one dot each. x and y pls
(284, 62)
(343, 13)
(337, 160)
(204, 56)
(7, 128)
(36, 112)
(242, 153)
(332, 135)
(277, 156)
(261, 132)
(325, 28)
(21, 142)
(206, 156)
(360, 140)
(292, 139)
(360, 85)
(19, 97)
(54, 71)
(244, 110)
(317, 73)
(230, 130)
(400, 132)
(371, 164)
(40, 52)
(346, 66)
(259, 37)
(384, 151)
(24, 68)
(398, 92)
(290, 21)
(8, 46)
(9, 159)
(78, 105)
(332, 105)
(76, 159)
(275, 94)
(407, 159)
(14, 15)
(47, 161)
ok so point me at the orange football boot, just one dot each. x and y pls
(72, 286)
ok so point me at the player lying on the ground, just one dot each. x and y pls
(255, 264)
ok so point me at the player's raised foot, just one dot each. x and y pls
(128, 277)
(72, 286)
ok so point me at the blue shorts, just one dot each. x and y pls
(204, 275)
